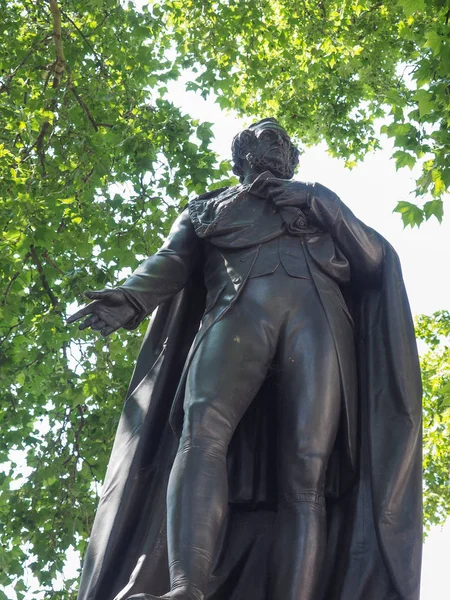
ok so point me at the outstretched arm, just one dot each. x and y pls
(154, 281)
(165, 273)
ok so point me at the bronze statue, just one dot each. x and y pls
(269, 447)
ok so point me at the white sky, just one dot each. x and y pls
(371, 190)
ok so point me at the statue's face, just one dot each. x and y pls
(270, 150)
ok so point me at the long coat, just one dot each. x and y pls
(374, 477)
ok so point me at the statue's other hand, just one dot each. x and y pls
(109, 312)
(288, 193)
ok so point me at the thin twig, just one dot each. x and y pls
(88, 175)
(9, 286)
(10, 77)
(47, 79)
(12, 280)
(106, 15)
(87, 42)
(49, 260)
(81, 102)
(10, 330)
(61, 226)
(39, 143)
(30, 364)
(45, 285)
(44, 131)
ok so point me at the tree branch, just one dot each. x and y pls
(40, 356)
(57, 68)
(9, 78)
(5, 86)
(10, 330)
(60, 62)
(49, 260)
(88, 43)
(61, 226)
(9, 286)
(82, 104)
(39, 144)
(61, 65)
(45, 285)
(46, 127)
(80, 410)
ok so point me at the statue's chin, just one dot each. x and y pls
(282, 174)
(280, 170)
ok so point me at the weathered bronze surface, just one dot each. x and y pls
(269, 447)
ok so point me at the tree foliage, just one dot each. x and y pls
(434, 331)
(94, 163)
(330, 70)
(95, 160)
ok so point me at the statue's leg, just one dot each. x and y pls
(309, 406)
(226, 372)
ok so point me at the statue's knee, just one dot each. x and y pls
(205, 426)
(305, 474)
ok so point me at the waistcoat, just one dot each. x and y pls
(285, 249)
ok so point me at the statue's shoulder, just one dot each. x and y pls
(212, 193)
(212, 201)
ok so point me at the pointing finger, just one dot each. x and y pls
(87, 310)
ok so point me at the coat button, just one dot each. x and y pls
(236, 280)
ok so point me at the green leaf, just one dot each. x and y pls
(425, 102)
(434, 41)
(411, 214)
(412, 6)
(444, 391)
(404, 159)
(434, 208)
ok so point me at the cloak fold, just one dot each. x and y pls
(374, 523)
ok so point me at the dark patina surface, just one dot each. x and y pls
(269, 447)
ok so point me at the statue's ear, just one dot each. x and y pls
(245, 139)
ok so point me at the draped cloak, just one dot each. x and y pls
(374, 509)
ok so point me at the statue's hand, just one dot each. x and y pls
(285, 192)
(109, 312)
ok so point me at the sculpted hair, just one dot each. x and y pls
(241, 144)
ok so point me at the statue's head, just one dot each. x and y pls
(264, 146)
